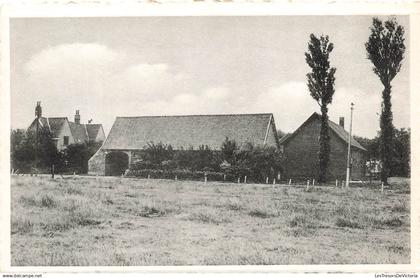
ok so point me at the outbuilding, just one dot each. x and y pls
(301, 149)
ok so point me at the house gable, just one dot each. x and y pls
(334, 128)
(95, 132)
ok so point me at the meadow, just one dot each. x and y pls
(113, 221)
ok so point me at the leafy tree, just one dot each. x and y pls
(203, 158)
(371, 145)
(400, 153)
(400, 165)
(385, 49)
(321, 86)
(184, 158)
(229, 149)
(76, 157)
(33, 150)
(156, 153)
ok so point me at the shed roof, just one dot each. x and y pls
(188, 130)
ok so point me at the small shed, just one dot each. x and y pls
(301, 150)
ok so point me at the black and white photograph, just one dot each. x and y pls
(222, 140)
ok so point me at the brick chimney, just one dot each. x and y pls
(38, 110)
(77, 117)
(342, 122)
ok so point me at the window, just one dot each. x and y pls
(66, 140)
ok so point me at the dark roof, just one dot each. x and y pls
(343, 134)
(93, 130)
(55, 125)
(337, 129)
(188, 130)
(79, 132)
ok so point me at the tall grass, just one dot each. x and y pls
(115, 221)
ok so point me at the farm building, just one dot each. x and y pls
(129, 135)
(301, 151)
(65, 132)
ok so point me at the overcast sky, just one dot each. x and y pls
(108, 67)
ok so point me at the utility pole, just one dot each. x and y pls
(349, 147)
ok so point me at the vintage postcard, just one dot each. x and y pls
(210, 137)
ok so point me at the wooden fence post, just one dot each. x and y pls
(245, 179)
(290, 181)
(266, 180)
(205, 177)
(307, 185)
(224, 177)
(382, 187)
(313, 182)
(239, 179)
(336, 183)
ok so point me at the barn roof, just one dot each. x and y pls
(188, 130)
(337, 129)
(284, 138)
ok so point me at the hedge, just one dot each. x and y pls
(180, 175)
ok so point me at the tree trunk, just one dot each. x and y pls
(324, 145)
(387, 131)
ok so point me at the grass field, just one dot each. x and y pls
(121, 221)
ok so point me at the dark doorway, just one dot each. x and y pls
(116, 163)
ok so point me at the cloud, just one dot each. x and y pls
(145, 82)
(290, 103)
(104, 83)
(71, 59)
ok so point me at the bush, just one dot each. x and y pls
(229, 164)
(157, 153)
(180, 174)
(33, 153)
(36, 153)
(76, 157)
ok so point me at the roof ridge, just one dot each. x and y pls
(194, 115)
(56, 117)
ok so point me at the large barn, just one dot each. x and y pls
(302, 146)
(129, 135)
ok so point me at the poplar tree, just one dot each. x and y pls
(321, 86)
(385, 49)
